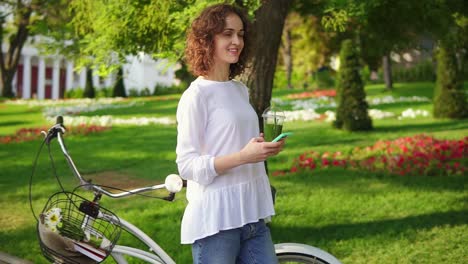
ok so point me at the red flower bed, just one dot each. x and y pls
(313, 94)
(28, 134)
(417, 155)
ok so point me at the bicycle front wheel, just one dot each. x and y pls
(300, 253)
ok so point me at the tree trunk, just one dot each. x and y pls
(9, 61)
(268, 28)
(387, 72)
(6, 82)
(287, 55)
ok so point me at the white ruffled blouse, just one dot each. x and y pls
(216, 119)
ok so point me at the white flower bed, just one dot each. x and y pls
(111, 121)
(329, 102)
(84, 107)
(410, 113)
(379, 114)
(304, 115)
(310, 114)
(50, 102)
(305, 109)
(390, 100)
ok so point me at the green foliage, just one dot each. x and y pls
(74, 93)
(449, 97)
(323, 78)
(421, 72)
(311, 48)
(351, 113)
(145, 92)
(111, 30)
(119, 87)
(133, 92)
(89, 90)
(77, 93)
(104, 92)
(183, 75)
(297, 79)
(166, 90)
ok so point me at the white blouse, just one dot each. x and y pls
(216, 119)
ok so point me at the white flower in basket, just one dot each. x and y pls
(53, 218)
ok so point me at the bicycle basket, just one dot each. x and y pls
(72, 229)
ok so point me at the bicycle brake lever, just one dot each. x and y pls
(170, 197)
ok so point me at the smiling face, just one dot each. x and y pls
(218, 42)
(229, 43)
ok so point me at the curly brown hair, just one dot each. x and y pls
(200, 40)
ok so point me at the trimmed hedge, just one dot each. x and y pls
(449, 96)
(351, 113)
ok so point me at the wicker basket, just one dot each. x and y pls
(69, 235)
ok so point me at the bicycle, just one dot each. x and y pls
(81, 219)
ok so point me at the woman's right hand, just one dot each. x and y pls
(258, 150)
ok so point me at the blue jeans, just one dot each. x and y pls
(247, 245)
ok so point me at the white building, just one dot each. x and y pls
(42, 77)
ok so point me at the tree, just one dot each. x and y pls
(18, 21)
(112, 30)
(115, 29)
(305, 47)
(383, 26)
(89, 90)
(286, 48)
(389, 26)
(119, 87)
(267, 28)
(351, 113)
(184, 75)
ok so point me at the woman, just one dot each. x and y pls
(219, 149)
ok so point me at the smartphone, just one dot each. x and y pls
(281, 136)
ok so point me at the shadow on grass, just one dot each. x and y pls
(354, 180)
(393, 227)
(26, 235)
(13, 123)
(393, 106)
(433, 127)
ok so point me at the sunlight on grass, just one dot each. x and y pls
(360, 217)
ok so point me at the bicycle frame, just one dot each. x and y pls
(159, 256)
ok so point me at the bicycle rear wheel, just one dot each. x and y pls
(300, 253)
(294, 257)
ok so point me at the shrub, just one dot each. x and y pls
(119, 87)
(351, 113)
(421, 72)
(104, 92)
(449, 96)
(323, 78)
(75, 93)
(89, 90)
(133, 92)
(145, 92)
(165, 90)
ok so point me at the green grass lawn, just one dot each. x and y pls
(357, 216)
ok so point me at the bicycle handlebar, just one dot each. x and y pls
(59, 129)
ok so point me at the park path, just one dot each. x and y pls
(9, 259)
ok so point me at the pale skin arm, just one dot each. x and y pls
(256, 150)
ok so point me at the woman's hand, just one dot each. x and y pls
(258, 150)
